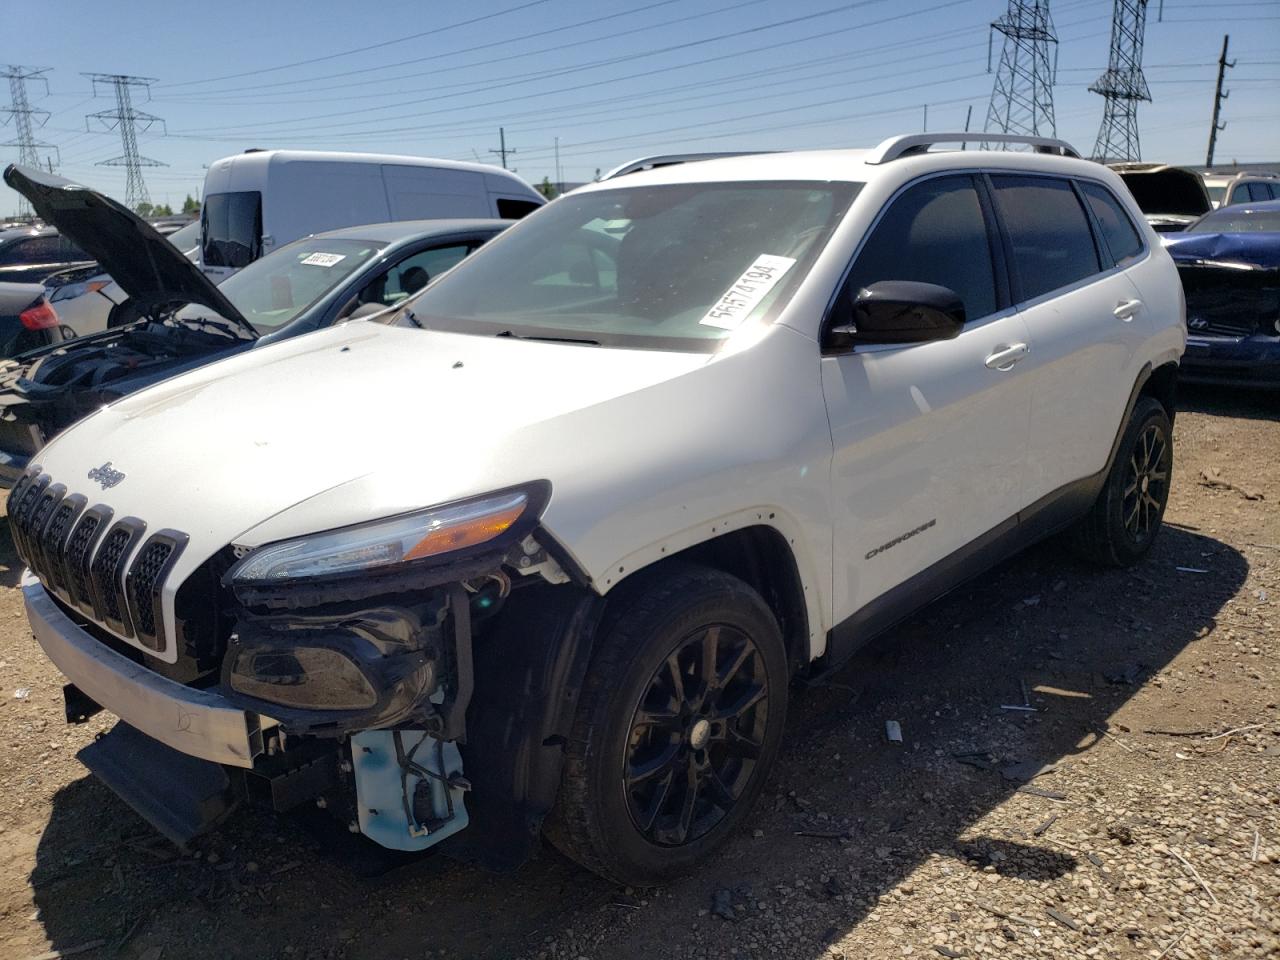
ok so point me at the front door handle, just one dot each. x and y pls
(1125, 309)
(1006, 355)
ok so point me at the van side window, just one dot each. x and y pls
(509, 209)
(934, 232)
(1121, 236)
(232, 228)
(1049, 232)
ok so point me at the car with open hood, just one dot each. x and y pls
(1169, 197)
(1229, 263)
(174, 318)
(543, 553)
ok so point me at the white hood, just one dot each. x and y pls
(388, 419)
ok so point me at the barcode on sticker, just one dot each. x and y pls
(745, 294)
(323, 259)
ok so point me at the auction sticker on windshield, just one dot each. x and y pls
(323, 259)
(747, 291)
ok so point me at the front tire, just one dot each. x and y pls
(1122, 525)
(678, 725)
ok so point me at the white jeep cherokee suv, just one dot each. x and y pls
(543, 553)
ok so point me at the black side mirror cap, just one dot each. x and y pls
(898, 312)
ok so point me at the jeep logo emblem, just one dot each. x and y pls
(106, 475)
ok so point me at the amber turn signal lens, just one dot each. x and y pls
(466, 534)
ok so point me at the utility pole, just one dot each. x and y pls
(25, 120)
(1123, 86)
(1022, 97)
(502, 150)
(559, 176)
(1218, 97)
(128, 121)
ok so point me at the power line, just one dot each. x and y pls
(355, 50)
(126, 119)
(1123, 86)
(1022, 97)
(310, 81)
(524, 79)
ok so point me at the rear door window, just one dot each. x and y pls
(934, 232)
(509, 209)
(232, 228)
(1049, 232)
(1121, 236)
(32, 250)
(413, 273)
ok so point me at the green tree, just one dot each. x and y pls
(190, 205)
(144, 209)
(547, 188)
(162, 210)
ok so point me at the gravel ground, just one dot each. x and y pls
(1114, 820)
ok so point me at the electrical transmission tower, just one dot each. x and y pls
(1022, 98)
(25, 119)
(128, 121)
(1123, 86)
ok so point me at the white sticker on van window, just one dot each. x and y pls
(747, 291)
(322, 259)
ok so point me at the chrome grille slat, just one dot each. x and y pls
(92, 563)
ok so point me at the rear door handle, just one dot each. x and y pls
(1006, 355)
(1125, 309)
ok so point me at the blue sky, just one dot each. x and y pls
(611, 80)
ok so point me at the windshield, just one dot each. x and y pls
(232, 228)
(665, 267)
(1235, 220)
(1216, 194)
(276, 289)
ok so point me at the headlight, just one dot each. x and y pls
(374, 546)
(69, 291)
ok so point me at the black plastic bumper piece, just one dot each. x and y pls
(179, 795)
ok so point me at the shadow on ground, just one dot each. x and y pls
(1081, 640)
(1240, 402)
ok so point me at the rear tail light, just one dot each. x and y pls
(40, 317)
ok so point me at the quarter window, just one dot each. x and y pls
(1052, 243)
(934, 232)
(1118, 230)
(232, 227)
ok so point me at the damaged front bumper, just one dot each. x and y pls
(199, 723)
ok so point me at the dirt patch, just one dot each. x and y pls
(1113, 818)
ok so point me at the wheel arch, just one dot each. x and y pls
(1162, 384)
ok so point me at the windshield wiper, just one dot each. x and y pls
(548, 338)
(237, 333)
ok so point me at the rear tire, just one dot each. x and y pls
(1122, 525)
(678, 725)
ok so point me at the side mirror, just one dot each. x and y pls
(898, 311)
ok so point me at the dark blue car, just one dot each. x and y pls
(1229, 262)
(175, 319)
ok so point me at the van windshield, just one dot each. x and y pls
(661, 267)
(232, 227)
(277, 289)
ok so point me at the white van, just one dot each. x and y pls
(259, 200)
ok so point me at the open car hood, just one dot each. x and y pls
(147, 267)
(1161, 189)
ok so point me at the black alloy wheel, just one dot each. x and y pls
(1147, 484)
(1122, 524)
(696, 735)
(678, 724)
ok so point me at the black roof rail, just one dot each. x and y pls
(914, 144)
(671, 159)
